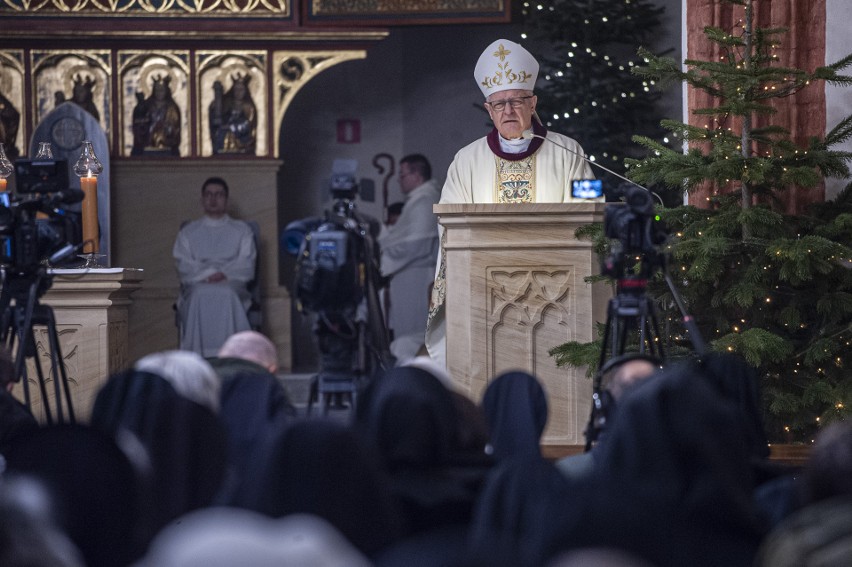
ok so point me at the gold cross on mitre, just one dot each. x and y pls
(501, 53)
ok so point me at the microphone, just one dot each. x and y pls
(529, 135)
(64, 252)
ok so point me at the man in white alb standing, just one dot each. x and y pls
(409, 251)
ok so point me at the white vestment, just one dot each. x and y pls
(409, 251)
(212, 312)
(475, 176)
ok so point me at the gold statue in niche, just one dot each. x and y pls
(156, 120)
(233, 117)
(82, 94)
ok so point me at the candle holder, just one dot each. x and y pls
(88, 167)
(6, 167)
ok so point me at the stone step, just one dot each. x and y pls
(298, 387)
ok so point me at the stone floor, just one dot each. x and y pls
(298, 386)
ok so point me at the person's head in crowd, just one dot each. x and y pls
(671, 482)
(411, 416)
(617, 375)
(29, 536)
(214, 197)
(184, 439)
(224, 537)
(739, 383)
(828, 471)
(322, 467)
(415, 422)
(515, 407)
(252, 346)
(506, 74)
(188, 373)
(819, 534)
(621, 372)
(394, 210)
(414, 171)
(598, 557)
(96, 495)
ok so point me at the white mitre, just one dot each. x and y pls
(503, 66)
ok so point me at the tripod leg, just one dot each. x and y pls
(655, 325)
(60, 376)
(20, 364)
(41, 384)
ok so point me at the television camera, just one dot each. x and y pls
(338, 279)
(638, 236)
(34, 225)
(36, 230)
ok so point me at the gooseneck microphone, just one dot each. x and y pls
(529, 135)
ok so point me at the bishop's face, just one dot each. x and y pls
(515, 116)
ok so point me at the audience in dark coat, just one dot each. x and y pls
(94, 491)
(184, 440)
(515, 408)
(322, 468)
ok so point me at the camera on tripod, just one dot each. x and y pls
(28, 238)
(637, 230)
(338, 279)
(334, 254)
(637, 254)
(36, 230)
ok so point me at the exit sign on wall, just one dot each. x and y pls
(348, 131)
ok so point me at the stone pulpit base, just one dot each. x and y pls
(91, 311)
(516, 289)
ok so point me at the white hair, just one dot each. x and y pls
(188, 373)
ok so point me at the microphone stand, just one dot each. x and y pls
(529, 135)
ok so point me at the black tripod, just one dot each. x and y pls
(632, 309)
(18, 319)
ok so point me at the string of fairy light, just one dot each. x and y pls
(574, 58)
(573, 55)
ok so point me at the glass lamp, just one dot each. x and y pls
(88, 167)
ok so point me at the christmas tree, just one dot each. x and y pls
(586, 90)
(773, 287)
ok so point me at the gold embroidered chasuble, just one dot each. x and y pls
(515, 180)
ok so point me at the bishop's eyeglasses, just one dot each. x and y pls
(515, 103)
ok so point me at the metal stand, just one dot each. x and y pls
(354, 345)
(632, 309)
(92, 260)
(17, 334)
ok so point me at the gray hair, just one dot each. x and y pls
(188, 373)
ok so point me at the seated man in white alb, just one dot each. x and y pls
(215, 257)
